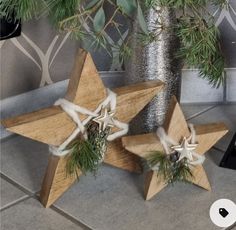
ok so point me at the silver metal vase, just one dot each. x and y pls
(155, 61)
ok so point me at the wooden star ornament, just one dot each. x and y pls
(52, 125)
(185, 149)
(105, 119)
(177, 129)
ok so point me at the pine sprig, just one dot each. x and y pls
(87, 155)
(200, 48)
(199, 37)
(181, 172)
(21, 9)
(61, 9)
(171, 171)
(182, 3)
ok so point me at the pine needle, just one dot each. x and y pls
(87, 155)
(200, 48)
(170, 171)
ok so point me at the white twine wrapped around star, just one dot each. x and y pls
(105, 120)
(185, 149)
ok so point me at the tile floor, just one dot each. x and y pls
(113, 200)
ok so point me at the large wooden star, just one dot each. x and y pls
(52, 125)
(176, 127)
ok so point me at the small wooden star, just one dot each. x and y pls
(185, 149)
(53, 126)
(105, 119)
(176, 128)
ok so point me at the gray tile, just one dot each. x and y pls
(196, 90)
(224, 113)
(24, 161)
(194, 110)
(114, 200)
(231, 85)
(29, 215)
(9, 193)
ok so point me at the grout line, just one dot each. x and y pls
(26, 197)
(201, 112)
(70, 217)
(14, 183)
(29, 194)
(66, 215)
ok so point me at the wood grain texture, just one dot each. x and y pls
(133, 98)
(52, 126)
(142, 145)
(56, 180)
(153, 184)
(208, 135)
(118, 157)
(200, 178)
(175, 123)
(85, 86)
(177, 128)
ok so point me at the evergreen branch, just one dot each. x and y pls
(169, 170)
(21, 9)
(62, 9)
(200, 47)
(87, 155)
(84, 12)
(179, 4)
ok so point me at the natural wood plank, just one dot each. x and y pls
(118, 157)
(208, 135)
(56, 181)
(200, 178)
(132, 99)
(85, 86)
(51, 130)
(175, 124)
(153, 185)
(142, 145)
